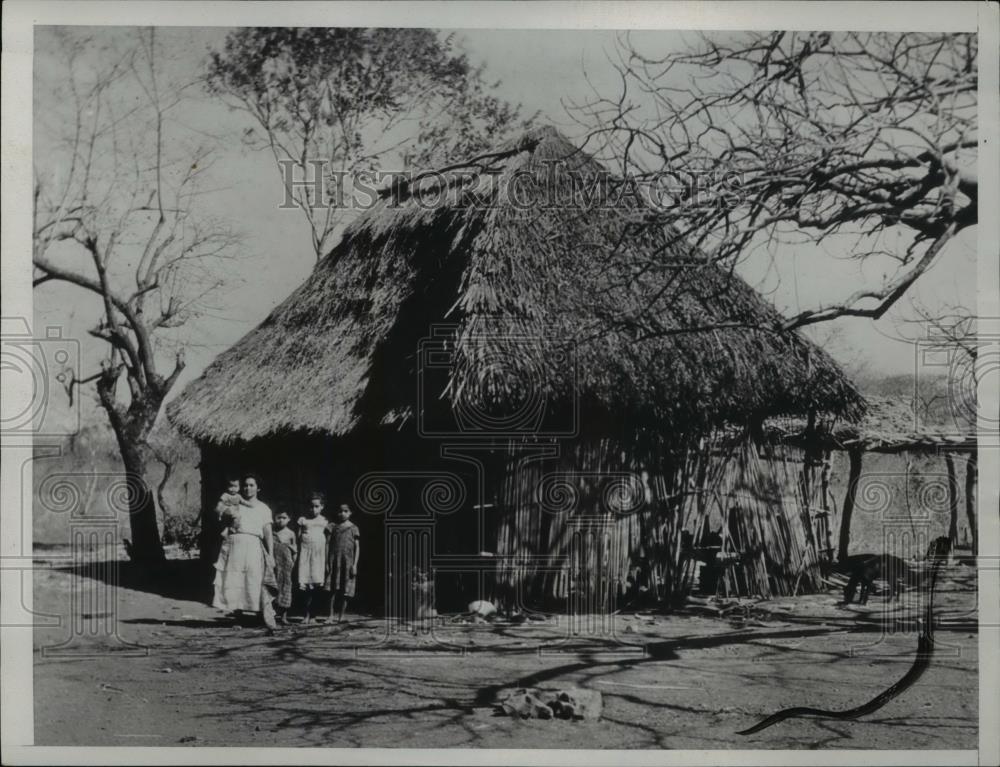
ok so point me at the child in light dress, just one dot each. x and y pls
(312, 551)
(285, 547)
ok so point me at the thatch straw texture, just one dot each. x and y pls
(547, 274)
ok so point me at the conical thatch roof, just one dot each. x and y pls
(545, 272)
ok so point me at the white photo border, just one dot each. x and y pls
(15, 268)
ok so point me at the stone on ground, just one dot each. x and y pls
(549, 703)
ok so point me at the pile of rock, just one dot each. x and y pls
(550, 703)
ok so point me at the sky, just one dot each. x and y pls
(541, 70)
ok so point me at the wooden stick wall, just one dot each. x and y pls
(573, 529)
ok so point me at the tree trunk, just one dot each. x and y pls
(949, 462)
(971, 472)
(131, 427)
(146, 545)
(209, 525)
(855, 455)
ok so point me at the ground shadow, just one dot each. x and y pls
(181, 579)
(191, 623)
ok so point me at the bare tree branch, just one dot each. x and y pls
(744, 140)
(886, 296)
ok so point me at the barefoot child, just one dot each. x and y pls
(285, 548)
(342, 560)
(312, 551)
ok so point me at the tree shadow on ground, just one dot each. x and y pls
(667, 650)
(433, 701)
(332, 696)
(181, 579)
(191, 623)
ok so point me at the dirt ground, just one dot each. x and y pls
(176, 673)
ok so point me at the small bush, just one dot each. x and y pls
(181, 530)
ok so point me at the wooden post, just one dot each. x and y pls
(825, 505)
(701, 479)
(949, 461)
(825, 482)
(809, 454)
(971, 472)
(811, 458)
(855, 454)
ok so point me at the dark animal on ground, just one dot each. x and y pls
(864, 569)
(937, 553)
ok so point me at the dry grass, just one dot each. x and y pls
(552, 298)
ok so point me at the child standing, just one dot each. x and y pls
(285, 548)
(312, 551)
(342, 560)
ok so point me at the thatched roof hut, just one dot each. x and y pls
(543, 290)
(520, 297)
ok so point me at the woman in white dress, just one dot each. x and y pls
(244, 578)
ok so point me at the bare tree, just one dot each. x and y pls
(332, 103)
(747, 139)
(116, 215)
